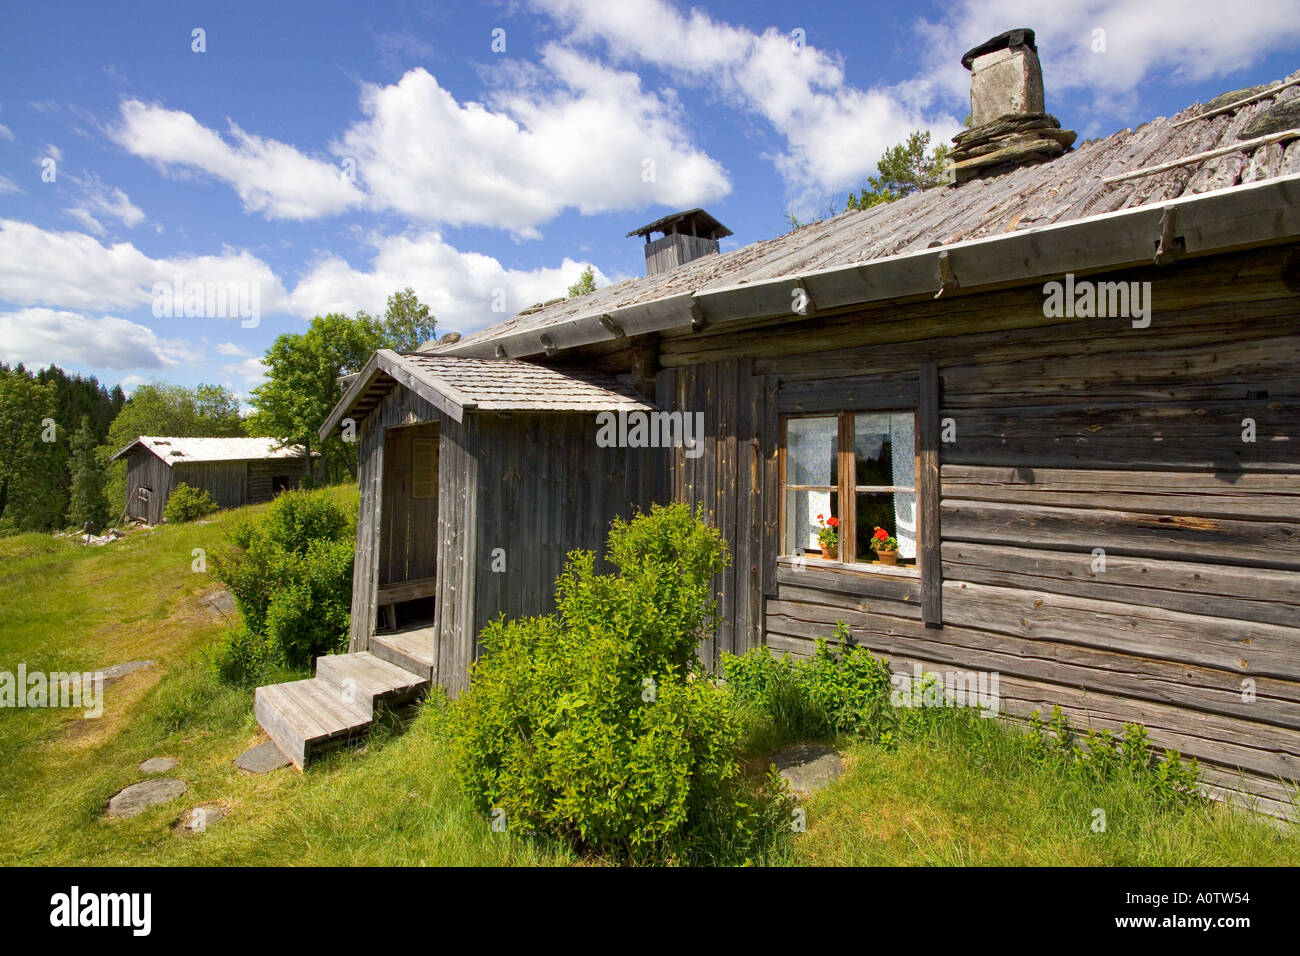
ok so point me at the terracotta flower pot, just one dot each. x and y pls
(831, 553)
(888, 557)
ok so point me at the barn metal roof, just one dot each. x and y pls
(177, 450)
(896, 248)
(455, 385)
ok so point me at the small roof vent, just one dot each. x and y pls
(687, 236)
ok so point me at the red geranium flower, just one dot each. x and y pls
(833, 521)
(881, 534)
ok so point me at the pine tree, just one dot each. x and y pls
(904, 169)
(89, 506)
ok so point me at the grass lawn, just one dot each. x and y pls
(957, 795)
(963, 794)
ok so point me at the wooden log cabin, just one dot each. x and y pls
(1068, 383)
(233, 471)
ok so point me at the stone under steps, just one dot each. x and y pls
(337, 706)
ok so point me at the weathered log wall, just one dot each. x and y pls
(1071, 435)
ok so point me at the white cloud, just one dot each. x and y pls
(7, 185)
(6, 133)
(252, 370)
(74, 270)
(272, 178)
(231, 349)
(833, 132)
(105, 202)
(570, 133)
(1170, 40)
(460, 288)
(45, 336)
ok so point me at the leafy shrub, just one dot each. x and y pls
(241, 657)
(1104, 755)
(187, 504)
(592, 724)
(821, 696)
(291, 575)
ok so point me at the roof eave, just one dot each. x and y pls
(387, 362)
(1224, 220)
(122, 451)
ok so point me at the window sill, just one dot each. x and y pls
(811, 562)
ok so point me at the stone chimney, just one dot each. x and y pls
(1009, 127)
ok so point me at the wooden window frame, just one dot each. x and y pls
(848, 489)
(843, 398)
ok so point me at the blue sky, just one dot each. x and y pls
(322, 155)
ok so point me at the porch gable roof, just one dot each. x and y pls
(455, 384)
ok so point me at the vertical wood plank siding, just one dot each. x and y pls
(725, 484)
(408, 538)
(1072, 435)
(230, 483)
(545, 489)
(457, 551)
(144, 469)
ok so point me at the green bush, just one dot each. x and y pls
(241, 657)
(291, 575)
(187, 504)
(1103, 755)
(817, 697)
(594, 724)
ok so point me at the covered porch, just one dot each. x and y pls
(477, 477)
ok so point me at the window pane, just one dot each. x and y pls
(884, 448)
(801, 524)
(810, 446)
(893, 511)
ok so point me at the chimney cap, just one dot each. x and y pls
(706, 227)
(1021, 36)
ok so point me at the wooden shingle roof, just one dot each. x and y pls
(455, 385)
(1066, 190)
(514, 385)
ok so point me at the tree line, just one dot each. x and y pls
(58, 431)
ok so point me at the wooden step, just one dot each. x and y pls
(305, 717)
(368, 679)
(412, 650)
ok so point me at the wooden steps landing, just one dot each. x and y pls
(411, 649)
(337, 706)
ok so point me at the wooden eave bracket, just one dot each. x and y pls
(1169, 248)
(698, 319)
(809, 303)
(947, 281)
(611, 325)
